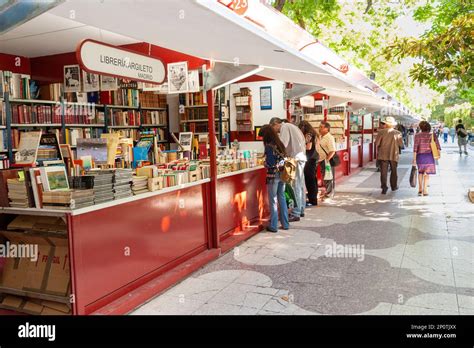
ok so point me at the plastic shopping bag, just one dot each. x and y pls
(327, 171)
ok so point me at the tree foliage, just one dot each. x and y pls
(359, 31)
(446, 50)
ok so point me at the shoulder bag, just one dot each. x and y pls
(335, 160)
(434, 148)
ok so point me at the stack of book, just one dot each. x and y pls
(81, 182)
(71, 199)
(140, 184)
(17, 193)
(122, 180)
(103, 185)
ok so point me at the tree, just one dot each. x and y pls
(359, 31)
(445, 51)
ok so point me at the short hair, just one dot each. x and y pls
(326, 125)
(275, 120)
(425, 126)
(460, 121)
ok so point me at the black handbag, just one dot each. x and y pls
(335, 160)
(413, 176)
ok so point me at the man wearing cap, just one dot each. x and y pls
(295, 144)
(388, 143)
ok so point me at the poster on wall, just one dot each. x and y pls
(266, 98)
(193, 81)
(72, 78)
(178, 77)
(108, 83)
(90, 82)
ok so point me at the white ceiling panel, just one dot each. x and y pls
(48, 34)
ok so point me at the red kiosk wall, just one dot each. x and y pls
(156, 232)
(241, 200)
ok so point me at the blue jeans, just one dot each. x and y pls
(299, 188)
(276, 198)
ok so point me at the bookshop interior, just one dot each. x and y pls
(130, 154)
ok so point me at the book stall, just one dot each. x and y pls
(93, 172)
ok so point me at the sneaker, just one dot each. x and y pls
(284, 228)
(269, 229)
(384, 191)
(302, 215)
(465, 152)
(294, 218)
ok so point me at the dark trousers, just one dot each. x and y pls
(330, 185)
(393, 174)
(311, 181)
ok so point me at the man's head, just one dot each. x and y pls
(275, 123)
(390, 122)
(460, 121)
(324, 128)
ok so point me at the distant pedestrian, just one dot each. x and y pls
(411, 135)
(388, 143)
(423, 157)
(445, 134)
(275, 153)
(452, 133)
(294, 142)
(462, 137)
(311, 165)
(382, 126)
(327, 150)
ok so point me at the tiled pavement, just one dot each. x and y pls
(417, 255)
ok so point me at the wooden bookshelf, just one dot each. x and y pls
(31, 125)
(34, 101)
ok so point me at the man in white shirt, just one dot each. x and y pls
(326, 150)
(295, 144)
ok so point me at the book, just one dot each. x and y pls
(54, 178)
(28, 148)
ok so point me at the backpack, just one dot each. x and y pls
(288, 169)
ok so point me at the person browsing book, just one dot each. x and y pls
(274, 157)
(295, 145)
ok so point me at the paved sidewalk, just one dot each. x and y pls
(361, 253)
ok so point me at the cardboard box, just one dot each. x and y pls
(48, 274)
(34, 306)
(38, 224)
(470, 194)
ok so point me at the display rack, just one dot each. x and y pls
(243, 105)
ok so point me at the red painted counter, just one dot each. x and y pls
(366, 156)
(241, 200)
(118, 246)
(356, 160)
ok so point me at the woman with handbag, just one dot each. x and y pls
(274, 159)
(311, 165)
(425, 152)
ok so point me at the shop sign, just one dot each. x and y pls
(238, 6)
(101, 58)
